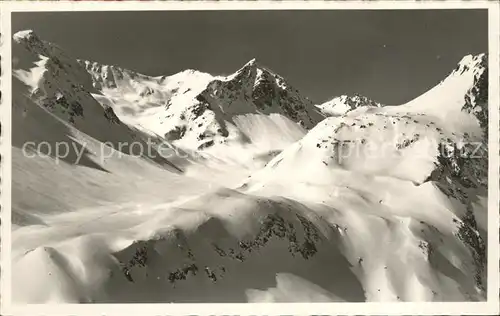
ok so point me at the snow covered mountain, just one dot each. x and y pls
(191, 110)
(372, 203)
(62, 87)
(461, 93)
(344, 103)
(400, 154)
(195, 110)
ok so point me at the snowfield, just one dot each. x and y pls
(249, 192)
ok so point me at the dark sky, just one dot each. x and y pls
(389, 56)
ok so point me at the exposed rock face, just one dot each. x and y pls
(323, 209)
(476, 99)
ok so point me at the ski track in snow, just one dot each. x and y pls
(273, 211)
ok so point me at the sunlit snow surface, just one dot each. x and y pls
(284, 206)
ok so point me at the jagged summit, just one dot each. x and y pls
(345, 103)
(462, 92)
(192, 108)
(318, 216)
(470, 61)
(248, 70)
(58, 84)
(251, 62)
(23, 35)
(263, 91)
(109, 76)
(251, 67)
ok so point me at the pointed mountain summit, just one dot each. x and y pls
(252, 89)
(256, 88)
(57, 81)
(259, 183)
(343, 104)
(31, 40)
(24, 35)
(192, 109)
(56, 85)
(463, 92)
(471, 62)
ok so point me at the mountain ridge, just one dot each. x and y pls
(377, 204)
(342, 104)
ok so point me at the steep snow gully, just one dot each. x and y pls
(249, 192)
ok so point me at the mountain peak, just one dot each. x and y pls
(30, 40)
(470, 61)
(342, 104)
(251, 62)
(24, 35)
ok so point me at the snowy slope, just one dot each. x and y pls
(195, 110)
(367, 205)
(68, 151)
(380, 162)
(461, 93)
(140, 99)
(64, 88)
(344, 103)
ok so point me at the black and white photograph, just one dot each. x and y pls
(250, 155)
